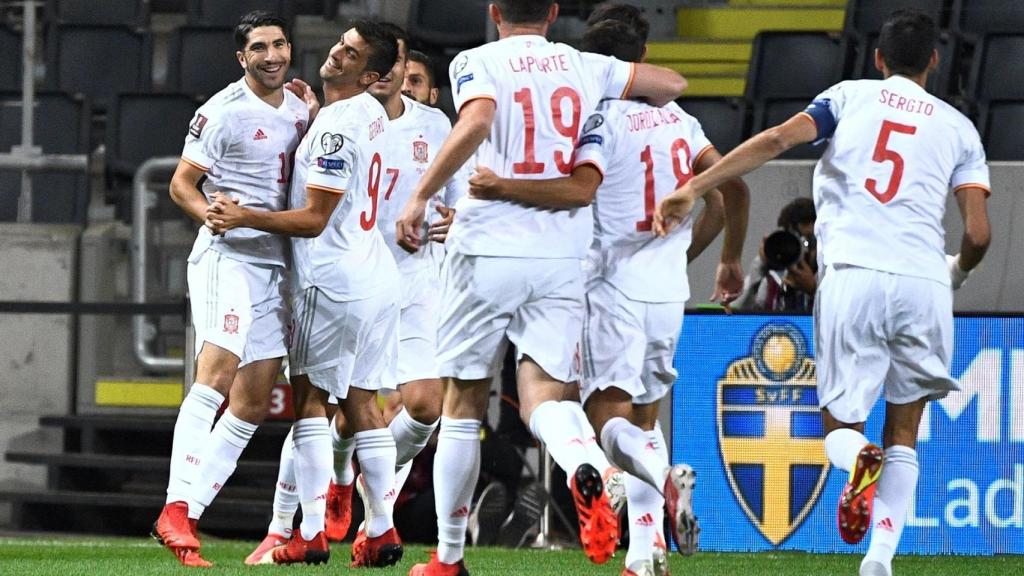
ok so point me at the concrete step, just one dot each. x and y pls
(744, 22)
(121, 463)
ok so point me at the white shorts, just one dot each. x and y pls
(342, 344)
(629, 344)
(486, 302)
(417, 345)
(875, 330)
(238, 306)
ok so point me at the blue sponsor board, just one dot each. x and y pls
(744, 415)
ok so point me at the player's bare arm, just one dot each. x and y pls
(977, 231)
(736, 202)
(657, 85)
(470, 130)
(748, 156)
(306, 222)
(574, 191)
(185, 191)
(708, 224)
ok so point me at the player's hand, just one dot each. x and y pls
(728, 283)
(409, 224)
(224, 214)
(672, 210)
(484, 184)
(438, 231)
(957, 275)
(305, 92)
(802, 277)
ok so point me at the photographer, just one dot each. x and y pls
(783, 277)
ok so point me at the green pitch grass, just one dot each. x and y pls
(72, 556)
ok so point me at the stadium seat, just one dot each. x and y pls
(221, 13)
(449, 23)
(98, 61)
(793, 65)
(865, 17)
(938, 82)
(131, 139)
(61, 127)
(1000, 122)
(997, 72)
(777, 111)
(10, 64)
(722, 119)
(124, 12)
(202, 60)
(975, 18)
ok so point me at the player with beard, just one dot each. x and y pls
(237, 145)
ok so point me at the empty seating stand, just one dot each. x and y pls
(939, 82)
(723, 119)
(1000, 124)
(223, 13)
(449, 23)
(131, 139)
(123, 12)
(98, 61)
(202, 60)
(975, 18)
(10, 64)
(61, 127)
(997, 72)
(865, 17)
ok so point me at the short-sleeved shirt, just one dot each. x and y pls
(415, 136)
(246, 147)
(343, 154)
(880, 188)
(543, 92)
(645, 153)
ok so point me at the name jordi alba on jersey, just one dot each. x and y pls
(625, 140)
(542, 92)
(244, 146)
(343, 154)
(880, 188)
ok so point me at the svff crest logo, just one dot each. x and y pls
(770, 433)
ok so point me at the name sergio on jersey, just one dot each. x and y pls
(652, 118)
(894, 100)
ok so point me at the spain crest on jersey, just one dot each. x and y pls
(770, 432)
(420, 152)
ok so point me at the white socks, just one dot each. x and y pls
(286, 494)
(555, 425)
(632, 450)
(218, 459)
(191, 430)
(456, 468)
(311, 442)
(645, 511)
(410, 435)
(595, 455)
(344, 474)
(376, 450)
(842, 446)
(892, 501)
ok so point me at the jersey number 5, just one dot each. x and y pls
(681, 167)
(530, 165)
(882, 154)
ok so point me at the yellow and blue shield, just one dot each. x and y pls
(770, 432)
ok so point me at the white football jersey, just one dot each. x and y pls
(645, 153)
(880, 188)
(542, 91)
(246, 147)
(343, 154)
(415, 137)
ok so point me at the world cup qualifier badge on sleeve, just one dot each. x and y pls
(331, 144)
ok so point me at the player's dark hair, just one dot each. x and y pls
(398, 32)
(613, 38)
(256, 19)
(524, 11)
(383, 46)
(627, 13)
(428, 64)
(799, 211)
(906, 41)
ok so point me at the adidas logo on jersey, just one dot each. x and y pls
(259, 135)
(647, 520)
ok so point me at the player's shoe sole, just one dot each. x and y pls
(857, 499)
(599, 527)
(437, 568)
(270, 541)
(615, 488)
(299, 551)
(679, 486)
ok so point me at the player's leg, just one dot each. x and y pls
(850, 315)
(419, 417)
(614, 478)
(286, 504)
(648, 500)
(339, 493)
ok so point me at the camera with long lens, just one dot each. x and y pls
(784, 248)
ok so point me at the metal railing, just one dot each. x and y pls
(143, 199)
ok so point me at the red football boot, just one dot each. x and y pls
(174, 529)
(858, 497)
(377, 552)
(299, 551)
(679, 485)
(599, 527)
(269, 542)
(339, 511)
(437, 568)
